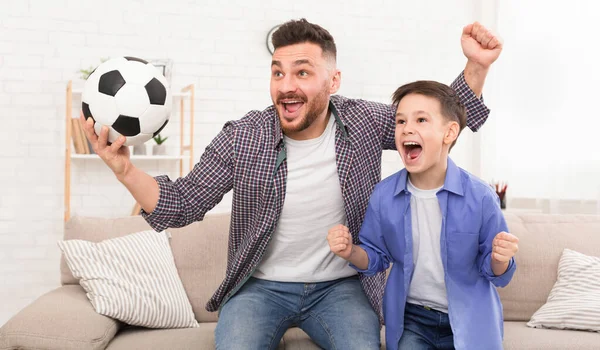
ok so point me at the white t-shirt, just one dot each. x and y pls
(427, 286)
(298, 250)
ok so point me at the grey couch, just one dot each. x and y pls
(64, 318)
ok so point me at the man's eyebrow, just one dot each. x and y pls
(303, 61)
(296, 63)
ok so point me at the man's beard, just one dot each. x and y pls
(313, 110)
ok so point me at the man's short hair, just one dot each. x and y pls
(301, 31)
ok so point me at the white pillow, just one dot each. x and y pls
(574, 302)
(132, 279)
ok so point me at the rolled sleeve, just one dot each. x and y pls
(493, 223)
(371, 238)
(189, 198)
(375, 262)
(167, 207)
(477, 111)
(503, 279)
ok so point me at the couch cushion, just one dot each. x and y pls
(574, 302)
(518, 336)
(297, 339)
(132, 279)
(542, 238)
(173, 339)
(199, 250)
(96, 230)
(61, 319)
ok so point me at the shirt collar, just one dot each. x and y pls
(452, 182)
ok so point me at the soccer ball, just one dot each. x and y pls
(130, 96)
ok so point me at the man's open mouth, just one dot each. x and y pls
(412, 149)
(291, 106)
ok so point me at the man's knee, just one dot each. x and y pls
(238, 328)
(247, 322)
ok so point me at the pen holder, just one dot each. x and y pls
(500, 188)
(502, 200)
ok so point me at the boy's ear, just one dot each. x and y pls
(451, 133)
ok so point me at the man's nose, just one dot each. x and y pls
(408, 129)
(288, 84)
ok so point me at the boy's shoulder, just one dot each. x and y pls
(474, 186)
(390, 183)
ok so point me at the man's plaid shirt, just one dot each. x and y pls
(248, 156)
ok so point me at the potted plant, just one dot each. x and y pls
(159, 149)
(85, 73)
(139, 150)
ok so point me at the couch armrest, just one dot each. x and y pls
(61, 319)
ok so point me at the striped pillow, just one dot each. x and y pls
(132, 279)
(574, 302)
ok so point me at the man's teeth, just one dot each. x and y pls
(411, 144)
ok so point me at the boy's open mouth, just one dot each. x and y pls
(412, 149)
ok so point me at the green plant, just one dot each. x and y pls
(159, 139)
(85, 73)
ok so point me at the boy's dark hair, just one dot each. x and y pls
(451, 107)
(302, 31)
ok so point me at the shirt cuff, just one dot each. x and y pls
(477, 111)
(162, 213)
(372, 268)
(503, 279)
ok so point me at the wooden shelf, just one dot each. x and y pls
(133, 157)
(184, 97)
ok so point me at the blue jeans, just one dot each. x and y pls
(335, 314)
(425, 329)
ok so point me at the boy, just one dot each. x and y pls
(439, 225)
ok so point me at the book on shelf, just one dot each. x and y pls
(80, 142)
(76, 135)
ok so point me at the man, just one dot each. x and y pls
(298, 167)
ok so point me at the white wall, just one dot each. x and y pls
(544, 89)
(220, 48)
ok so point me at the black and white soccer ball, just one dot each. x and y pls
(130, 96)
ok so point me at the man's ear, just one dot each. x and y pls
(336, 80)
(451, 133)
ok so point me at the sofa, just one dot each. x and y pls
(65, 319)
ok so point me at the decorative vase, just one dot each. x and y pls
(159, 150)
(139, 149)
(503, 202)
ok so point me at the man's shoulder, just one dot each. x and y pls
(254, 121)
(350, 106)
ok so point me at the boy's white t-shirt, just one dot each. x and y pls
(427, 286)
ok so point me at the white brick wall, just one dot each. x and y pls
(220, 48)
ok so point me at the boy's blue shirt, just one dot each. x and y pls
(471, 218)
